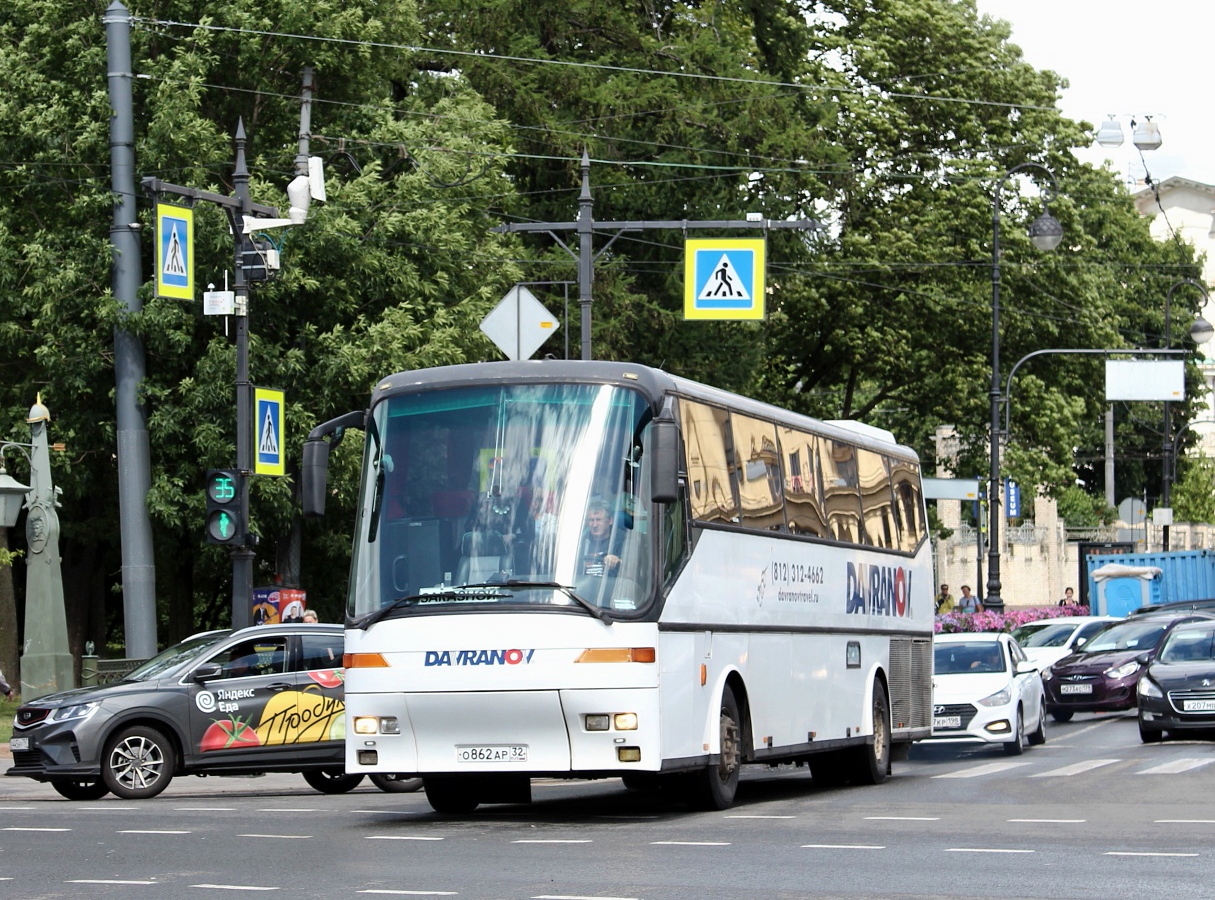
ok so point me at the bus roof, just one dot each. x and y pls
(653, 383)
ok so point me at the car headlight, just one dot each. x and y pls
(76, 711)
(1047, 674)
(1148, 688)
(999, 698)
(1122, 671)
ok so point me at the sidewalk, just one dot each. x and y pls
(182, 787)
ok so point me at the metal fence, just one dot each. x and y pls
(95, 671)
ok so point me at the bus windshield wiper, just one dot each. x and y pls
(597, 612)
(453, 593)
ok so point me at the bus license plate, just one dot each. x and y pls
(1075, 689)
(475, 753)
(19, 744)
(1199, 705)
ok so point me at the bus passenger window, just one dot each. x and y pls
(706, 437)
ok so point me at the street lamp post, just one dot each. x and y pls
(1045, 233)
(1199, 331)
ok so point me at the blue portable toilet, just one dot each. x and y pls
(1122, 589)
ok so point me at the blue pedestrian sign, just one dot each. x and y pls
(269, 457)
(724, 278)
(174, 252)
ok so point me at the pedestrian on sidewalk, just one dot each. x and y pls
(5, 687)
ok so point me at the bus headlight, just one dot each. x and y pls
(376, 725)
(625, 721)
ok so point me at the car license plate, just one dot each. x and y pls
(946, 721)
(475, 753)
(1075, 689)
(1199, 705)
(19, 743)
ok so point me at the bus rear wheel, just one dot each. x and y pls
(714, 787)
(871, 762)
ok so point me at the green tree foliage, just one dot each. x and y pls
(392, 273)
(1193, 496)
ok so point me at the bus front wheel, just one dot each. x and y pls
(714, 787)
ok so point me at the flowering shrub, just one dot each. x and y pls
(1005, 621)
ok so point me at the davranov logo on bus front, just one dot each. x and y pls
(478, 657)
(879, 590)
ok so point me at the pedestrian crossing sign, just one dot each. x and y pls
(174, 252)
(269, 457)
(724, 278)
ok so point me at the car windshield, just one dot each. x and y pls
(1189, 644)
(1128, 636)
(1044, 634)
(164, 662)
(968, 657)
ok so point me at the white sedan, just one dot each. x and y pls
(1047, 641)
(984, 689)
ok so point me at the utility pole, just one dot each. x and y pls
(134, 454)
(239, 208)
(585, 226)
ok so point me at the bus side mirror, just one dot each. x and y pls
(664, 461)
(314, 472)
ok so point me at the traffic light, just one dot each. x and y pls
(224, 525)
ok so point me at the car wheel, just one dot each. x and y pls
(871, 762)
(79, 788)
(713, 787)
(1016, 746)
(450, 796)
(1037, 737)
(332, 781)
(138, 763)
(1150, 735)
(1062, 715)
(396, 784)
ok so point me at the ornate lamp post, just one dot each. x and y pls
(1200, 331)
(1045, 233)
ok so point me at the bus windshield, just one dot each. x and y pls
(495, 496)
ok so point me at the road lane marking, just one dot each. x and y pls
(235, 887)
(1076, 768)
(551, 841)
(989, 769)
(1050, 821)
(1177, 766)
(842, 847)
(689, 843)
(1184, 822)
(134, 831)
(385, 812)
(985, 850)
(104, 881)
(204, 809)
(902, 818)
(281, 837)
(17, 828)
(1133, 853)
(399, 837)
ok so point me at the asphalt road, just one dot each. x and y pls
(1093, 814)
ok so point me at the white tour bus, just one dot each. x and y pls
(595, 569)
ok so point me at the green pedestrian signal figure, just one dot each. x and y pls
(223, 524)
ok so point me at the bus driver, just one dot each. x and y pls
(600, 549)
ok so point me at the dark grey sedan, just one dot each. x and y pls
(1177, 692)
(263, 699)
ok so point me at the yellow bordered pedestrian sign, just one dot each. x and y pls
(174, 251)
(724, 278)
(269, 457)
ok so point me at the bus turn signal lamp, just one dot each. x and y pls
(617, 655)
(364, 661)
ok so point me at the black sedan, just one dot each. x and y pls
(1104, 675)
(1177, 691)
(264, 699)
